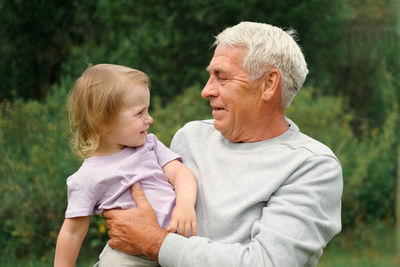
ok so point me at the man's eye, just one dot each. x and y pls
(220, 77)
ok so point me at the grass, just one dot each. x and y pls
(364, 248)
(84, 260)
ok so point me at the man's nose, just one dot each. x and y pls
(209, 89)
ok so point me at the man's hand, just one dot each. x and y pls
(135, 231)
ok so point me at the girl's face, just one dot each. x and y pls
(130, 125)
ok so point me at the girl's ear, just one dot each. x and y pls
(271, 85)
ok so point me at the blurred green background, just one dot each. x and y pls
(350, 102)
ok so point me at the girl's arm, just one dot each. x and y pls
(70, 241)
(183, 217)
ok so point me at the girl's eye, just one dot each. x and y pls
(141, 112)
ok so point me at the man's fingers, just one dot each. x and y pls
(138, 195)
(108, 214)
(113, 244)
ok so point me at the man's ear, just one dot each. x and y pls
(271, 85)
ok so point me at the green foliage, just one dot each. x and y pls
(45, 260)
(350, 46)
(184, 108)
(369, 55)
(167, 39)
(351, 102)
(36, 37)
(36, 160)
(373, 246)
(368, 161)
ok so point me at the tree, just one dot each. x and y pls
(35, 38)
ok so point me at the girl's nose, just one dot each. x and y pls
(148, 120)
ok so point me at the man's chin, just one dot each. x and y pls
(219, 126)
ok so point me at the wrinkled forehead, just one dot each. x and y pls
(226, 57)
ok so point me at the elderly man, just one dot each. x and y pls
(268, 195)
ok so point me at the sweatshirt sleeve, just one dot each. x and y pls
(297, 222)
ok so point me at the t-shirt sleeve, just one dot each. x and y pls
(81, 197)
(163, 153)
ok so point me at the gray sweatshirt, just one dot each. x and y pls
(275, 202)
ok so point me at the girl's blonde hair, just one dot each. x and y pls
(96, 99)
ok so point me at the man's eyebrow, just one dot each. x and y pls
(215, 71)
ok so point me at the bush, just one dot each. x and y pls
(368, 160)
(35, 39)
(36, 160)
(184, 108)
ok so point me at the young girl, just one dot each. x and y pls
(109, 108)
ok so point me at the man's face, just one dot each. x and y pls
(233, 96)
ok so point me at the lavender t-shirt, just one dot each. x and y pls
(103, 183)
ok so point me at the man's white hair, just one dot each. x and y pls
(268, 47)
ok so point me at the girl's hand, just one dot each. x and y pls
(183, 221)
